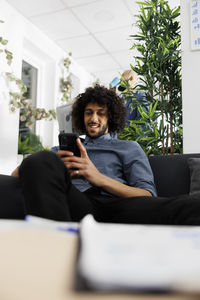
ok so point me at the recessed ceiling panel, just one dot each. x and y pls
(125, 58)
(103, 15)
(30, 8)
(98, 63)
(115, 40)
(59, 25)
(83, 46)
(97, 32)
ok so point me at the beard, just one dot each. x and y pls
(100, 133)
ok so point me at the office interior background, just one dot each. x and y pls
(97, 32)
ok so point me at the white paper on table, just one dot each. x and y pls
(51, 224)
(139, 257)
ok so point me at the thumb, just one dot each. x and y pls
(81, 148)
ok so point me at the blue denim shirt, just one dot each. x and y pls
(122, 160)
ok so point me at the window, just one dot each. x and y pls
(29, 78)
(28, 141)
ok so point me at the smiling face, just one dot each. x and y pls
(96, 120)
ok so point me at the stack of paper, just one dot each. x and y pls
(139, 257)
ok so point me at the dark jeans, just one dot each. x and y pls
(48, 192)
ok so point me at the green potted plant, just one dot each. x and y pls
(29, 143)
(158, 64)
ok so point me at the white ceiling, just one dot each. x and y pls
(97, 32)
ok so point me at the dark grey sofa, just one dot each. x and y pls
(171, 174)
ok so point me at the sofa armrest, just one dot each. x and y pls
(12, 204)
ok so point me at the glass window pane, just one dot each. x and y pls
(29, 78)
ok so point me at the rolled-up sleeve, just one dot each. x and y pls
(137, 169)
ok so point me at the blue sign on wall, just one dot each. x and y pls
(195, 24)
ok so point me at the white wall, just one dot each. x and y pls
(28, 43)
(9, 122)
(191, 85)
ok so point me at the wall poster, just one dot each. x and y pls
(195, 24)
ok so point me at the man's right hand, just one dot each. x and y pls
(83, 165)
(63, 154)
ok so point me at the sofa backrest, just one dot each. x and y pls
(171, 173)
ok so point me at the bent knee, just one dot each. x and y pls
(38, 159)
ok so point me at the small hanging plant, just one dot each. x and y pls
(4, 50)
(66, 82)
(28, 113)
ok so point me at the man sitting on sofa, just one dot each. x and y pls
(111, 180)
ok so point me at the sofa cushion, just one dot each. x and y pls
(172, 173)
(194, 166)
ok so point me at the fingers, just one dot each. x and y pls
(73, 163)
(63, 153)
(81, 148)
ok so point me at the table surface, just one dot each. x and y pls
(39, 263)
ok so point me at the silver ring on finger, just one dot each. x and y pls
(77, 172)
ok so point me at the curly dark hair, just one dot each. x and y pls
(103, 97)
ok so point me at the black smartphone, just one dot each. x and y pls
(67, 141)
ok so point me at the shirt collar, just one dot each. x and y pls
(104, 137)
